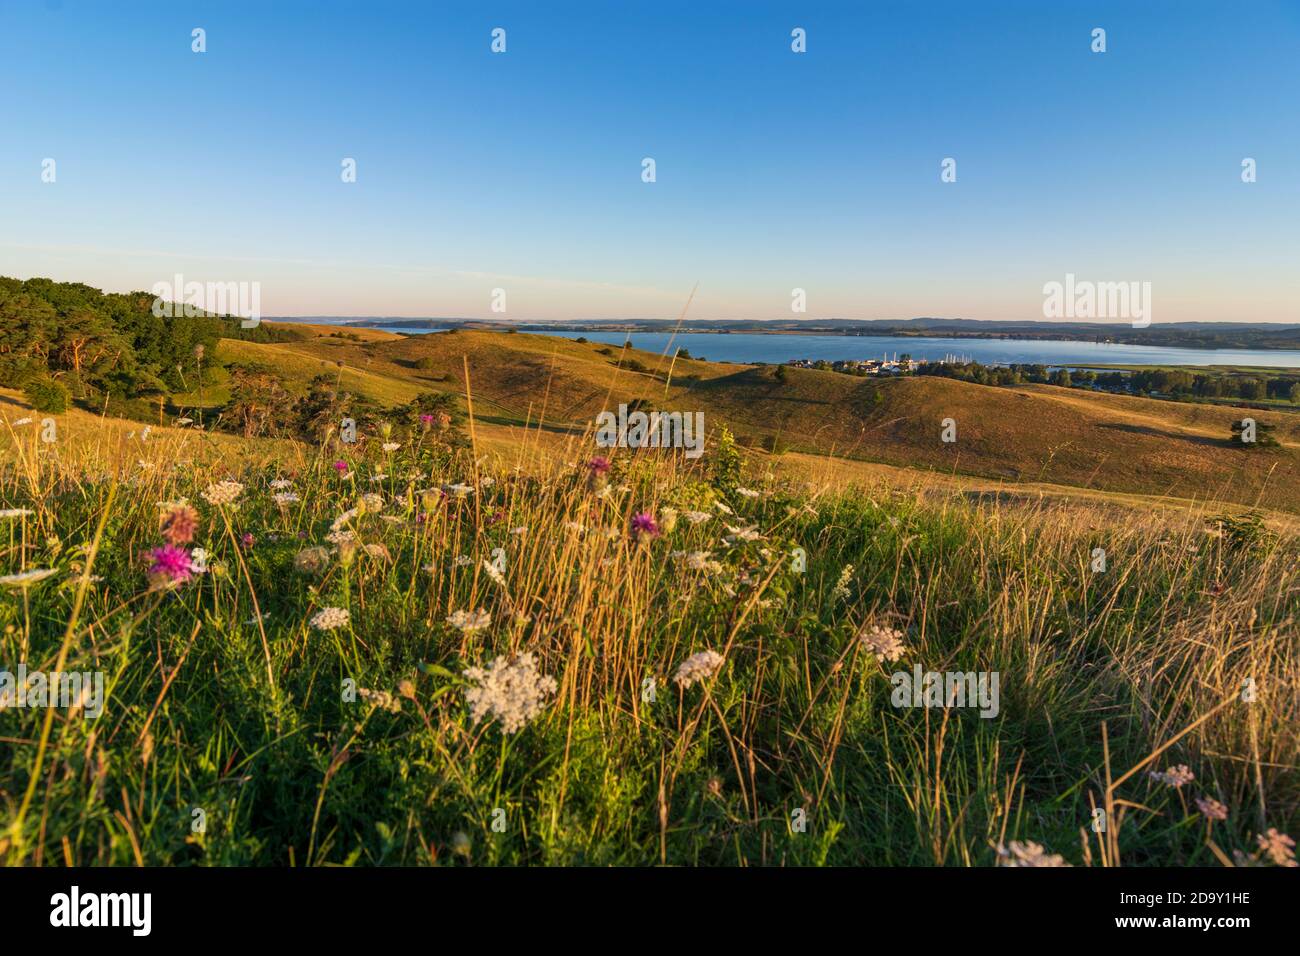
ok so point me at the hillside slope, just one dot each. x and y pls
(1031, 433)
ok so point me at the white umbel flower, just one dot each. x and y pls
(223, 492)
(512, 691)
(1173, 777)
(469, 621)
(885, 643)
(26, 578)
(1028, 853)
(330, 618)
(698, 667)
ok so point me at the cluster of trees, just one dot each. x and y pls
(70, 338)
(260, 406)
(90, 340)
(1167, 383)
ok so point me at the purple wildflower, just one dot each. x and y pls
(598, 465)
(644, 524)
(171, 565)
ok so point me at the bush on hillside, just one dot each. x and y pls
(47, 394)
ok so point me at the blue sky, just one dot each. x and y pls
(775, 170)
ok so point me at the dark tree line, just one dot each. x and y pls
(97, 344)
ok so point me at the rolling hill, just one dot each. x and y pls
(1032, 433)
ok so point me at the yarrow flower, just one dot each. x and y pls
(16, 513)
(738, 535)
(512, 691)
(171, 565)
(885, 643)
(1173, 777)
(1028, 853)
(469, 621)
(1278, 847)
(493, 572)
(697, 668)
(382, 699)
(24, 578)
(330, 618)
(390, 446)
(1211, 809)
(697, 560)
(697, 517)
(223, 493)
(280, 484)
(284, 498)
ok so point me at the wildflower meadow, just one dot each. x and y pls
(408, 649)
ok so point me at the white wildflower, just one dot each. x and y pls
(382, 699)
(494, 573)
(1028, 853)
(697, 668)
(1173, 777)
(841, 589)
(223, 492)
(25, 578)
(885, 643)
(513, 692)
(469, 621)
(1278, 847)
(330, 618)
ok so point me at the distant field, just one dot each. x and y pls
(1028, 433)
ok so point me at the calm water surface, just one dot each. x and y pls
(751, 347)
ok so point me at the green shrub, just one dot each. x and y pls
(47, 394)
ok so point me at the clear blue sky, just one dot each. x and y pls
(775, 170)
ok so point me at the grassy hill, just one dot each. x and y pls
(1031, 433)
(230, 688)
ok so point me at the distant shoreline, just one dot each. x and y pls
(1190, 335)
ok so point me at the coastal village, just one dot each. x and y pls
(898, 365)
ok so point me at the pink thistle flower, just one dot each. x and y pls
(171, 565)
(426, 420)
(644, 523)
(247, 539)
(340, 466)
(598, 465)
